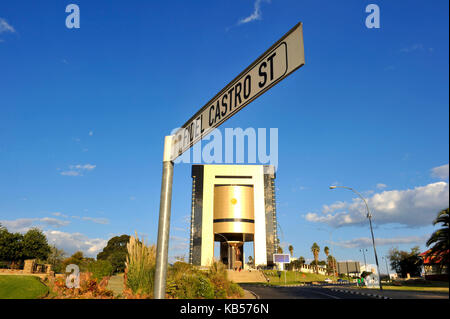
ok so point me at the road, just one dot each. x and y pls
(268, 292)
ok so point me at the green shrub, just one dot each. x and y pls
(204, 288)
(187, 282)
(235, 290)
(100, 269)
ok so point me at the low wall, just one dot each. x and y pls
(311, 269)
(17, 272)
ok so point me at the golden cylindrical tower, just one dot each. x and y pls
(234, 210)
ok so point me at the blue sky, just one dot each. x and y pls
(83, 114)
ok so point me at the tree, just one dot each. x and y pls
(315, 250)
(100, 269)
(56, 258)
(115, 252)
(301, 260)
(331, 264)
(404, 262)
(279, 250)
(439, 252)
(79, 260)
(11, 245)
(35, 245)
(291, 250)
(326, 250)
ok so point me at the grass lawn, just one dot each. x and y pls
(21, 287)
(416, 288)
(411, 285)
(292, 277)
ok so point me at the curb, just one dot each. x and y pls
(280, 286)
(361, 293)
(256, 296)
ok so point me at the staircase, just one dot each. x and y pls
(245, 276)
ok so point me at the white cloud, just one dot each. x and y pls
(415, 47)
(91, 133)
(102, 221)
(22, 225)
(256, 14)
(59, 214)
(72, 242)
(19, 225)
(87, 167)
(54, 222)
(411, 207)
(70, 173)
(440, 172)
(77, 170)
(367, 242)
(381, 185)
(5, 27)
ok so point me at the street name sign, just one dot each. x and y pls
(280, 60)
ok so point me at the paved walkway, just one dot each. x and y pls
(245, 276)
(116, 284)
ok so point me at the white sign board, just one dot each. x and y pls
(280, 60)
(282, 258)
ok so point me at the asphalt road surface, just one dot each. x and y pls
(268, 292)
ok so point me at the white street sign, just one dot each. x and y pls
(280, 60)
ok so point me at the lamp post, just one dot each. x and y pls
(369, 216)
(387, 268)
(365, 264)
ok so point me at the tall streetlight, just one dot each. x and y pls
(365, 264)
(369, 216)
(387, 268)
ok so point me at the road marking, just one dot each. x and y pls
(322, 293)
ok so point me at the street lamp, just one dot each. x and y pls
(365, 264)
(387, 268)
(369, 216)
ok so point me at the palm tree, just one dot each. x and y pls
(332, 264)
(279, 250)
(315, 250)
(291, 250)
(326, 250)
(301, 260)
(440, 241)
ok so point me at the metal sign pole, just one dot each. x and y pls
(162, 247)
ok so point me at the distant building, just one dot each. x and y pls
(431, 267)
(349, 267)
